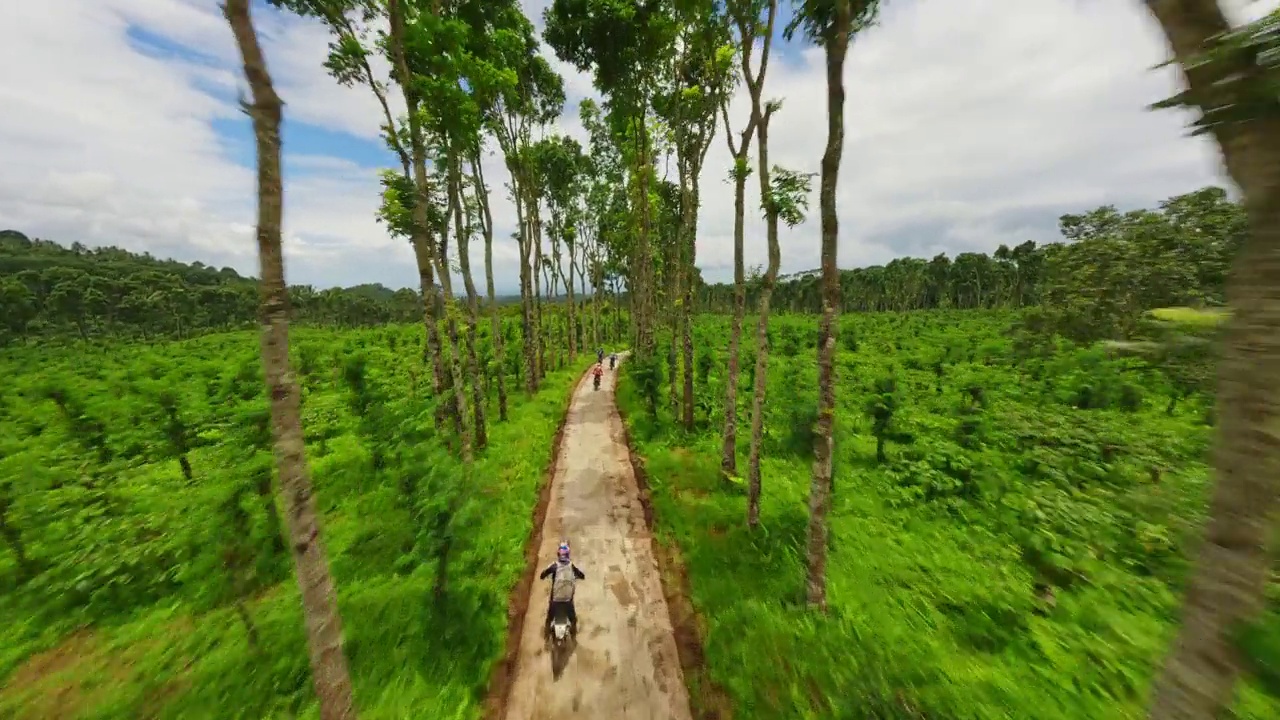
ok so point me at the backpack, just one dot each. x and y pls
(562, 583)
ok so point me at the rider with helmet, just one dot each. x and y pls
(564, 575)
(596, 373)
(599, 355)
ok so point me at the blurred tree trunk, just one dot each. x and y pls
(319, 599)
(1227, 585)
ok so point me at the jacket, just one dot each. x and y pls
(551, 569)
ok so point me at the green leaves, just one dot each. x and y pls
(789, 195)
(1243, 69)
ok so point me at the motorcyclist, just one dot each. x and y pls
(599, 355)
(613, 360)
(564, 576)
(596, 373)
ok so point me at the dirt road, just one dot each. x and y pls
(624, 665)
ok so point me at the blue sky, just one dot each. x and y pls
(303, 138)
(298, 137)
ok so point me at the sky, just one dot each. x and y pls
(969, 124)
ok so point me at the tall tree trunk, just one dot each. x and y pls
(495, 318)
(642, 294)
(462, 234)
(597, 293)
(729, 445)
(686, 304)
(673, 322)
(761, 119)
(319, 599)
(573, 306)
(1228, 582)
(529, 343)
(691, 201)
(539, 330)
(836, 45)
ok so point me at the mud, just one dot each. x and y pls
(625, 664)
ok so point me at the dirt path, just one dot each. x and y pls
(624, 665)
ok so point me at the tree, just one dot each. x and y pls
(623, 45)
(319, 599)
(782, 197)
(425, 248)
(701, 81)
(831, 23)
(348, 62)
(1230, 77)
(741, 171)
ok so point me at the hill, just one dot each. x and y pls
(48, 289)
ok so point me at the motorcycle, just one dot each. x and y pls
(595, 381)
(560, 628)
(612, 360)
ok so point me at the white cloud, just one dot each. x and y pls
(970, 123)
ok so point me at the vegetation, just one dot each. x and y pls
(49, 291)
(981, 497)
(1008, 533)
(145, 565)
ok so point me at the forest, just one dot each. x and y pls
(50, 291)
(1039, 482)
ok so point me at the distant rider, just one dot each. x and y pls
(564, 576)
(599, 355)
(596, 373)
(613, 360)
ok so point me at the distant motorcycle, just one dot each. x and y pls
(595, 381)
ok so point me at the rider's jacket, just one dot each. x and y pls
(550, 571)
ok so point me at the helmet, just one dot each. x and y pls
(562, 553)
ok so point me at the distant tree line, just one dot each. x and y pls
(47, 289)
(1095, 282)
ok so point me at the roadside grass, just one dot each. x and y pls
(412, 654)
(939, 607)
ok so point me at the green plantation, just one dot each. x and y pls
(145, 573)
(1018, 549)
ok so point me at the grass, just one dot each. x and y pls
(169, 643)
(1016, 560)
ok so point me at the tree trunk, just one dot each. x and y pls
(461, 233)
(1227, 585)
(836, 46)
(526, 300)
(573, 307)
(755, 82)
(495, 318)
(319, 599)
(762, 327)
(643, 291)
(729, 446)
(539, 330)
(686, 305)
